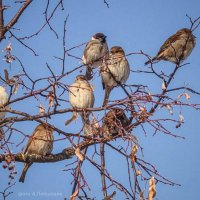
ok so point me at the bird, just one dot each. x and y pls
(3, 100)
(115, 122)
(176, 48)
(81, 96)
(40, 143)
(114, 71)
(94, 52)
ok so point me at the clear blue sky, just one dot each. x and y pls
(134, 25)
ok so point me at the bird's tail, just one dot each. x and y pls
(88, 73)
(150, 61)
(74, 117)
(23, 175)
(106, 97)
(87, 128)
(85, 117)
(2, 134)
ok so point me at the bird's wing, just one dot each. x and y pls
(169, 42)
(30, 141)
(91, 47)
(37, 135)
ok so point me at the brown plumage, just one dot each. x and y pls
(115, 122)
(114, 71)
(41, 143)
(176, 48)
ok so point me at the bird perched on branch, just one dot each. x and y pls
(114, 71)
(3, 100)
(176, 48)
(81, 96)
(94, 52)
(115, 122)
(41, 143)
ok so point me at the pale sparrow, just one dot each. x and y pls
(81, 96)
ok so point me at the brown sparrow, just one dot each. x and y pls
(41, 143)
(81, 96)
(114, 71)
(176, 48)
(115, 122)
(94, 52)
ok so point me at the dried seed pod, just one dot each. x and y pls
(152, 189)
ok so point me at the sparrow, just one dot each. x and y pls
(81, 96)
(115, 122)
(3, 100)
(95, 50)
(114, 71)
(176, 48)
(41, 143)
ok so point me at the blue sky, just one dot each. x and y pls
(134, 25)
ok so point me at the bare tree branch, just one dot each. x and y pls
(4, 29)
